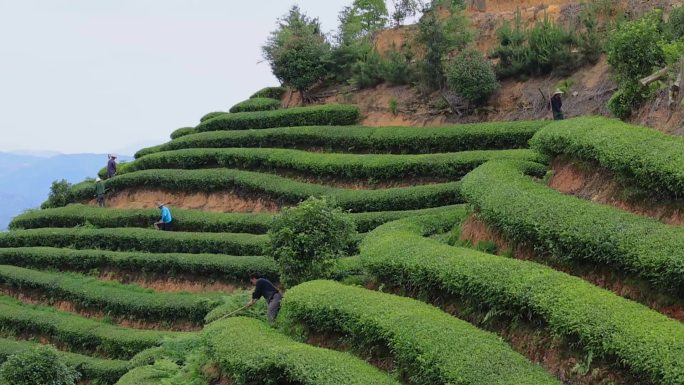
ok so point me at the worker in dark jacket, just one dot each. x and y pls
(557, 105)
(264, 288)
(100, 192)
(111, 166)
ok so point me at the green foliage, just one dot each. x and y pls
(59, 194)
(211, 115)
(328, 165)
(235, 302)
(674, 28)
(326, 115)
(396, 140)
(128, 239)
(366, 72)
(76, 333)
(38, 366)
(306, 240)
(439, 37)
(393, 106)
(229, 268)
(420, 337)
(111, 297)
(255, 354)
(150, 374)
(571, 228)
(404, 9)
(182, 132)
(297, 51)
(256, 104)
(648, 344)
(397, 68)
(472, 76)
(642, 156)
(360, 20)
(673, 51)
(270, 92)
(277, 188)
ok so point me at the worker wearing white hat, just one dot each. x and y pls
(557, 105)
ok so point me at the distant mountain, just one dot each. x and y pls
(25, 178)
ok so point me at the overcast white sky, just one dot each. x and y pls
(116, 75)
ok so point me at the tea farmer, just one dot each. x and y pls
(264, 288)
(166, 222)
(100, 192)
(557, 104)
(111, 166)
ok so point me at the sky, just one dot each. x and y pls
(84, 76)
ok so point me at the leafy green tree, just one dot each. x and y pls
(362, 19)
(307, 240)
(472, 76)
(404, 9)
(298, 51)
(439, 37)
(674, 29)
(39, 366)
(59, 194)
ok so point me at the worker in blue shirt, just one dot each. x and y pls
(166, 222)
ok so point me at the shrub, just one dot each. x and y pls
(646, 343)
(472, 77)
(306, 240)
(393, 106)
(74, 332)
(128, 239)
(419, 337)
(571, 228)
(402, 140)
(326, 115)
(253, 353)
(256, 104)
(112, 298)
(211, 115)
(325, 165)
(225, 268)
(642, 156)
(59, 194)
(270, 92)
(674, 28)
(94, 369)
(282, 190)
(38, 366)
(366, 72)
(182, 132)
(396, 68)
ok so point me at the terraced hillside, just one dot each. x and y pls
(523, 285)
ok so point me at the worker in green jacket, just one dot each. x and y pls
(100, 192)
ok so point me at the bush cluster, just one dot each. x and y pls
(270, 92)
(648, 344)
(396, 140)
(420, 337)
(212, 115)
(79, 334)
(307, 240)
(575, 229)
(328, 165)
(642, 156)
(256, 104)
(207, 266)
(472, 77)
(41, 365)
(94, 369)
(324, 115)
(131, 239)
(182, 132)
(253, 353)
(110, 297)
(283, 190)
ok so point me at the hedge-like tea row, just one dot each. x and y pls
(645, 342)
(248, 349)
(283, 190)
(256, 104)
(186, 220)
(576, 229)
(396, 140)
(428, 345)
(270, 92)
(328, 165)
(111, 297)
(211, 115)
(325, 115)
(216, 266)
(94, 369)
(78, 333)
(181, 132)
(131, 239)
(649, 158)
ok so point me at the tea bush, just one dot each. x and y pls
(211, 115)
(256, 104)
(472, 77)
(270, 92)
(38, 366)
(182, 132)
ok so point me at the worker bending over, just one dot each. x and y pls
(264, 288)
(166, 222)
